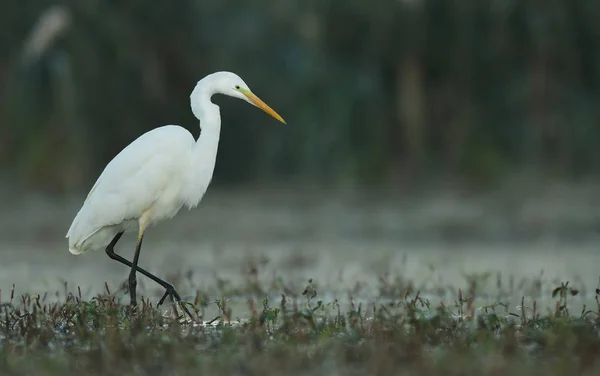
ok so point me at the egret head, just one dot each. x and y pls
(232, 85)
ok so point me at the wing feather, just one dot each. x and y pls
(132, 182)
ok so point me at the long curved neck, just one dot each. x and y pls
(204, 151)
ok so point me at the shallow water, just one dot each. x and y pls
(337, 240)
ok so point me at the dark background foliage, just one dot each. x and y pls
(372, 91)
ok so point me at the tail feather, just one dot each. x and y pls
(78, 234)
(75, 250)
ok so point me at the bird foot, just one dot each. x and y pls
(175, 298)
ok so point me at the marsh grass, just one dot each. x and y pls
(303, 335)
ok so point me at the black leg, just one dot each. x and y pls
(132, 277)
(110, 251)
(170, 289)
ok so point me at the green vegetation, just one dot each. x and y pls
(407, 335)
(371, 90)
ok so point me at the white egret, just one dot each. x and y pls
(154, 177)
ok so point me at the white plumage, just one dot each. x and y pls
(151, 173)
(159, 173)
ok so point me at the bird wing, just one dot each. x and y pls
(132, 181)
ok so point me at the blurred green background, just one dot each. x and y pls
(374, 92)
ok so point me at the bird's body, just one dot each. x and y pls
(157, 172)
(152, 178)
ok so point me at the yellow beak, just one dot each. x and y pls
(260, 104)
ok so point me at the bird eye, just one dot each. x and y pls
(237, 87)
